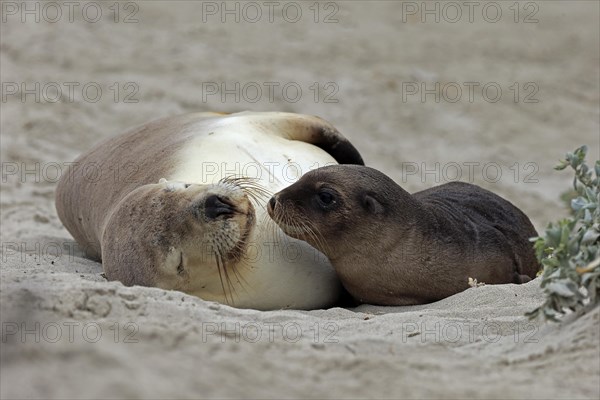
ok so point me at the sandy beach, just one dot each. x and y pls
(493, 95)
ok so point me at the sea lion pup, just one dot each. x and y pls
(180, 203)
(392, 248)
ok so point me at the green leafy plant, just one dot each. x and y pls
(570, 249)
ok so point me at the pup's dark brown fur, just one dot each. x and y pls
(393, 248)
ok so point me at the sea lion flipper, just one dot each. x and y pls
(317, 131)
(332, 141)
(309, 129)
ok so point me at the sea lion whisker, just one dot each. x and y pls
(240, 262)
(232, 284)
(253, 197)
(312, 234)
(270, 229)
(319, 237)
(279, 234)
(217, 259)
(260, 198)
(243, 181)
(250, 187)
(230, 179)
(291, 225)
(221, 260)
(309, 229)
(257, 189)
(232, 291)
(240, 278)
(234, 178)
(242, 265)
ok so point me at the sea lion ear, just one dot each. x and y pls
(371, 204)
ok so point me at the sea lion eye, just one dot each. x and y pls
(326, 197)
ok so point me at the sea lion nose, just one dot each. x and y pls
(272, 203)
(214, 206)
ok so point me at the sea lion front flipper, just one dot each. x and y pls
(306, 128)
(322, 134)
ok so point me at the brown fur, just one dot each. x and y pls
(393, 248)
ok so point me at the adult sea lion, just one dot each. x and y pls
(393, 248)
(179, 203)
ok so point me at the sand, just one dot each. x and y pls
(67, 333)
